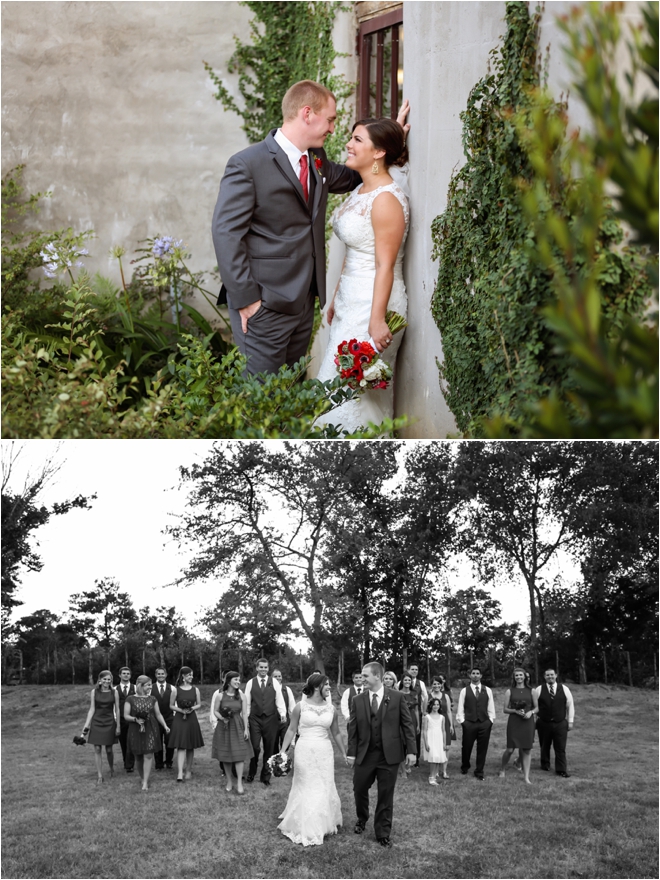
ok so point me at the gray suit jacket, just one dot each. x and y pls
(269, 243)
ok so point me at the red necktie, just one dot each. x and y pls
(304, 176)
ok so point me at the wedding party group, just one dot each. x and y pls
(269, 237)
(390, 725)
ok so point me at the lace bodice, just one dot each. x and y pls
(352, 224)
(315, 721)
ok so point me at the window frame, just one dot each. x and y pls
(378, 26)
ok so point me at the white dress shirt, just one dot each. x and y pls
(279, 699)
(570, 708)
(460, 712)
(345, 708)
(293, 154)
(212, 719)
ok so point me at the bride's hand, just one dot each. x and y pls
(329, 315)
(380, 333)
(401, 118)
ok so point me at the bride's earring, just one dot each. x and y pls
(374, 168)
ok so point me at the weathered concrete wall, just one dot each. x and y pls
(109, 106)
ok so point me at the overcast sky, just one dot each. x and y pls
(122, 536)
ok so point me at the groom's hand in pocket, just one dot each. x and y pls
(247, 313)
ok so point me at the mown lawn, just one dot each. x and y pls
(601, 823)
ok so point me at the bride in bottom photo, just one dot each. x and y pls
(313, 809)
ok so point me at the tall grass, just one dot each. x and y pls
(602, 822)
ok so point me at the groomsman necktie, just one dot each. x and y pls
(162, 689)
(552, 691)
(303, 176)
(477, 691)
(374, 705)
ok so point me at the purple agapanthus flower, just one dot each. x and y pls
(164, 246)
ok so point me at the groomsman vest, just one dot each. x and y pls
(285, 697)
(352, 694)
(164, 701)
(262, 701)
(552, 710)
(476, 710)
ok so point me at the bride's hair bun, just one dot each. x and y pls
(316, 680)
(386, 134)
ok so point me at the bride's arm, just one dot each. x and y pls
(293, 729)
(389, 226)
(336, 735)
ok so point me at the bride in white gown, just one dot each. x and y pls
(373, 223)
(313, 809)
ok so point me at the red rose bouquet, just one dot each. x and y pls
(359, 362)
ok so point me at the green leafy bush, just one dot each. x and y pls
(501, 355)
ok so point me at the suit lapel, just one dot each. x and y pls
(316, 186)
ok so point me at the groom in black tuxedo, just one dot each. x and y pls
(381, 735)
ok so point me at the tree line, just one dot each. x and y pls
(353, 543)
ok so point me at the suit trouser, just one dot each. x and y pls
(555, 734)
(374, 766)
(263, 729)
(273, 338)
(126, 753)
(163, 754)
(479, 732)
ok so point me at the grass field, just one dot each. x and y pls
(603, 822)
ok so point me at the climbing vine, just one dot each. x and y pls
(500, 352)
(289, 42)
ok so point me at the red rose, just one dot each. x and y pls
(381, 384)
(318, 163)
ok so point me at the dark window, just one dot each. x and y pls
(380, 47)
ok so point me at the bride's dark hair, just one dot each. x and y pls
(386, 134)
(317, 680)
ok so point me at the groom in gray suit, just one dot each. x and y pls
(269, 230)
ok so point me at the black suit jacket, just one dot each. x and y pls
(269, 242)
(397, 731)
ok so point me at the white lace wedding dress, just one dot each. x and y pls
(352, 224)
(313, 808)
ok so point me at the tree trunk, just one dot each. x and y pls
(73, 668)
(404, 657)
(582, 662)
(340, 671)
(471, 661)
(221, 645)
(144, 660)
(90, 672)
(125, 656)
(630, 678)
(161, 652)
(240, 663)
(301, 672)
(449, 666)
(54, 664)
(201, 666)
(491, 652)
(428, 668)
(604, 666)
(557, 662)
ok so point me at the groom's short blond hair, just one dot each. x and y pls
(306, 93)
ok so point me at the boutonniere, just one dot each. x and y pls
(318, 163)
(387, 699)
